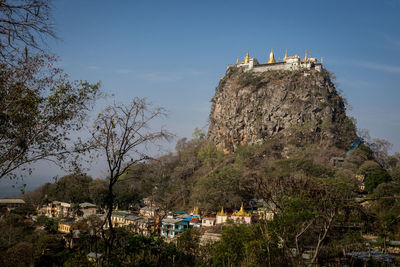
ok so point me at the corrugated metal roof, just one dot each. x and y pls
(12, 201)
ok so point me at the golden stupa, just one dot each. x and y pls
(247, 58)
(195, 211)
(305, 57)
(241, 212)
(271, 57)
(222, 212)
(284, 59)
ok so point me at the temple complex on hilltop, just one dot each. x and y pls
(287, 63)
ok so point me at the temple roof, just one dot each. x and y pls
(241, 212)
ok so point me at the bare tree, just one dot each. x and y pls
(122, 134)
(24, 24)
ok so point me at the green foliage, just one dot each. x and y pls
(70, 188)
(39, 109)
(219, 189)
(395, 174)
(18, 255)
(374, 178)
(198, 133)
(78, 258)
(245, 245)
(49, 250)
(244, 153)
(249, 79)
(345, 133)
(231, 249)
(189, 241)
(286, 167)
(209, 155)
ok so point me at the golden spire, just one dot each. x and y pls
(306, 57)
(241, 212)
(222, 212)
(284, 59)
(321, 60)
(237, 61)
(247, 57)
(195, 211)
(116, 207)
(271, 57)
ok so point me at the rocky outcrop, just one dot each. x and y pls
(248, 108)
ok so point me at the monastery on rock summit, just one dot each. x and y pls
(288, 63)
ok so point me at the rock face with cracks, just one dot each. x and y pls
(248, 108)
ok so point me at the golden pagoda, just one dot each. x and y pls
(241, 212)
(284, 59)
(247, 58)
(305, 57)
(222, 212)
(271, 57)
(195, 211)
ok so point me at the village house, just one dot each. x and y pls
(149, 212)
(11, 204)
(56, 209)
(88, 209)
(64, 226)
(207, 222)
(119, 218)
(172, 227)
(266, 210)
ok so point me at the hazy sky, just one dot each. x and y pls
(174, 52)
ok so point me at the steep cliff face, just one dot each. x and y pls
(251, 107)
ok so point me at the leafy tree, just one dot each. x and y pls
(189, 240)
(241, 245)
(70, 188)
(50, 224)
(76, 210)
(219, 189)
(374, 178)
(209, 155)
(380, 148)
(49, 250)
(98, 192)
(39, 108)
(19, 255)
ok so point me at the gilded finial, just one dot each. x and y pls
(241, 212)
(195, 211)
(284, 59)
(305, 57)
(247, 58)
(237, 61)
(271, 57)
(116, 207)
(222, 212)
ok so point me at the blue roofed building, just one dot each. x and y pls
(171, 227)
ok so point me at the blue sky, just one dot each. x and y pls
(174, 52)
